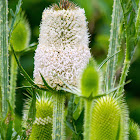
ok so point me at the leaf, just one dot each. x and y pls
(78, 109)
(129, 14)
(69, 118)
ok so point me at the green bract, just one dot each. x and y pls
(134, 131)
(109, 119)
(90, 80)
(20, 36)
(42, 127)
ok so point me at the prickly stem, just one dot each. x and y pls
(58, 116)
(87, 123)
(4, 54)
(13, 78)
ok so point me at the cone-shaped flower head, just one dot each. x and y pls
(63, 47)
(20, 36)
(109, 120)
(134, 131)
(42, 127)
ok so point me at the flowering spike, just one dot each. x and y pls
(63, 47)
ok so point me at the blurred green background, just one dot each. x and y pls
(98, 13)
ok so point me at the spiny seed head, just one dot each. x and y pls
(21, 34)
(42, 127)
(108, 119)
(134, 131)
(63, 47)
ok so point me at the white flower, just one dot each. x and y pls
(63, 47)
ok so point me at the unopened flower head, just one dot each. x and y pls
(63, 47)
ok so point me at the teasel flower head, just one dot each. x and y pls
(63, 46)
(109, 119)
(42, 126)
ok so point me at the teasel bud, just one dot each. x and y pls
(109, 119)
(63, 46)
(21, 34)
(134, 131)
(42, 126)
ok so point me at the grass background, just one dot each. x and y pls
(98, 13)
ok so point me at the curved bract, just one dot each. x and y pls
(42, 127)
(109, 119)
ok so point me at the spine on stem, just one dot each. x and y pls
(58, 116)
(4, 54)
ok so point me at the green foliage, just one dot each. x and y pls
(20, 36)
(90, 80)
(74, 118)
(134, 131)
(109, 118)
(44, 109)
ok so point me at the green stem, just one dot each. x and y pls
(13, 78)
(125, 69)
(113, 46)
(58, 116)
(87, 123)
(4, 54)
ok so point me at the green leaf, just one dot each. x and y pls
(90, 80)
(69, 118)
(78, 109)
